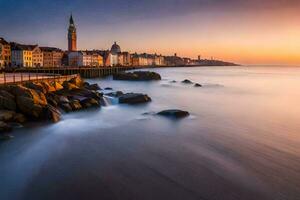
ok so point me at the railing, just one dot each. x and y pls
(17, 78)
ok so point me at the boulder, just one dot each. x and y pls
(197, 85)
(63, 99)
(7, 101)
(186, 81)
(7, 115)
(93, 87)
(6, 137)
(108, 88)
(115, 94)
(57, 86)
(134, 98)
(66, 107)
(52, 113)
(36, 86)
(173, 81)
(69, 86)
(174, 113)
(137, 76)
(77, 81)
(48, 87)
(75, 105)
(4, 127)
(90, 102)
(19, 118)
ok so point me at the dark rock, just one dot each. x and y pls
(7, 101)
(197, 85)
(173, 81)
(66, 107)
(137, 76)
(69, 86)
(6, 137)
(52, 113)
(19, 118)
(4, 127)
(48, 87)
(186, 81)
(63, 99)
(77, 81)
(90, 102)
(75, 105)
(36, 86)
(93, 87)
(57, 86)
(115, 94)
(134, 98)
(177, 114)
(108, 88)
(7, 115)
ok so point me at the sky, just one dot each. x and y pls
(242, 31)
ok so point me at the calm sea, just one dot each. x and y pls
(242, 141)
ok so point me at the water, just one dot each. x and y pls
(242, 141)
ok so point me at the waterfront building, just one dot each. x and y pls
(21, 55)
(52, 57)
(124, 59)
(37, 57)
(115, 48)
(173, 60)
(85, 59)
(72, 35)
(5, 53)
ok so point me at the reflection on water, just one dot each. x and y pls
(241, 142)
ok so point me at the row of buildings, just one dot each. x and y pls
(14, 55)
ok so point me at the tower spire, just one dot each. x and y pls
(71, 19)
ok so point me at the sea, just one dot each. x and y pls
(240, 142)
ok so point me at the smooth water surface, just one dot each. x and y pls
(242, 141)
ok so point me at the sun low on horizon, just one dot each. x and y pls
(255, 32)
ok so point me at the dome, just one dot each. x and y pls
(115, 48)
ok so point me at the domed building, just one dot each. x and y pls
(115, 49)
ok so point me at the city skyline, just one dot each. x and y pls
(256, 32)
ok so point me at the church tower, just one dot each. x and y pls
(72, 36)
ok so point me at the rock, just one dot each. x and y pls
(108, 88)
(48, 87)
(173, 81)
(76, 81)
(4, 127)
(7, 115)
(57, 86)
(177, 114)
(93, 87)
(51, 99)
(186, 81)
(134, 98)
(90, 102)
(69, 86)
(63, 99)
(36, 86)
(115, 94)
(53, 114)
(137, 76)
(7, 101)
(19, 118)
(86, 84)
(197, 85)
(66, 107)
(75, 105)
(29, 101)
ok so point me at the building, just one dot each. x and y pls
(85, 59)
(37, 57)
(115, 48)
(5, 53)
(21, 55)
(124, 59)
(72, 35)
(52, 57)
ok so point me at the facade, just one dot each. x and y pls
(52, 57)
(72, 35)
(85, 59)
(124, 59)
(37, 57)
(5, 53)
(21, 55)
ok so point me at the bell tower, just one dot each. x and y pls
(72, 35)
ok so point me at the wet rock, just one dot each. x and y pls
(36, 86)
(7, 100)
(77, 81)
(57, 86)
(6, 137)
(174, 113)
(53, 114)
(4, 127)
(173, 81)
(66, 107)
(115, 94)
(7, 115)
(93, 87)
(19, 118)
(186, 81)
(63, 99)
(69, 86)
(197, 85)
(48, 87)
(75, 105)
(134, 98)
(137, 76)
(90, 102)
(108, 88)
